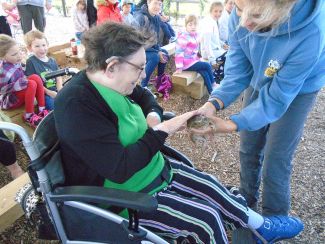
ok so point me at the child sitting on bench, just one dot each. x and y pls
(15, 88)
(187, 50)
(39, 63)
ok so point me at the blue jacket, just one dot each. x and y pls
(279, 64)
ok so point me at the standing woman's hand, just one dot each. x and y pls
(219, 126)
(209, 110)
(175, 124)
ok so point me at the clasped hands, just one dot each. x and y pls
(179, 122)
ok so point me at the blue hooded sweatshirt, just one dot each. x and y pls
(279, 64)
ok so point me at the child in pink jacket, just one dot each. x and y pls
(186, 55)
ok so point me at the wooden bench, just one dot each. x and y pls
(10, 210)
(189, 82)
(58, 52)
(63, 56)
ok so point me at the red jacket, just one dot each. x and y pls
(109, 12)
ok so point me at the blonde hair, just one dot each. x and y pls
(6, 42)
(32, 35)
(271, 13)
(190, 18)
(215, 4)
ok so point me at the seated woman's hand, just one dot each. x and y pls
(175, 124)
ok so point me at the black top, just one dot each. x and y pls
(88, 132)
(37, 66)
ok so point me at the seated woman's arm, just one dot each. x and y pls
(92, 136)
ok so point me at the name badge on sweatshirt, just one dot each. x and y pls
(273, 67)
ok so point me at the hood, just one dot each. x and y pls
(302, 14)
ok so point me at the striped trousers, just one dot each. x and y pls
(197, 207)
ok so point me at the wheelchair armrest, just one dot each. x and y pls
(93, 194)
(168, 115)
(173, 153)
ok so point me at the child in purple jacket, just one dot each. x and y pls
(186, 55)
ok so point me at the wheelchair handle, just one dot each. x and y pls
(61, 72)
(31, 149)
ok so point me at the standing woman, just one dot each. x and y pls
(277, 57)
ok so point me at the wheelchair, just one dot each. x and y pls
(69, 213)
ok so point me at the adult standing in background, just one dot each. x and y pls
(277, 57)
(224, 19)
(33, 10)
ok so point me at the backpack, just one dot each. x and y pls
(163, 85)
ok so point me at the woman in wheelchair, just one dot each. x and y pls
(111, 134)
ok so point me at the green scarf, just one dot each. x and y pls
(132, 125)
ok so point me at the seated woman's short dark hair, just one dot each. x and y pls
(110, 39)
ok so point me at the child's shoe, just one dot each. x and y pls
(33, 120)
(43, 113)
(276, 228)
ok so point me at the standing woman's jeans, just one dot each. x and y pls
(272, 146)
(153, 60)
(205, 70)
